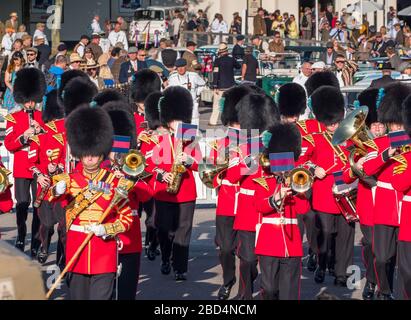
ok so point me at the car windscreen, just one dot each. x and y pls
(152, 15)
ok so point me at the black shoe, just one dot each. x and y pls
(224, 292)
(20, 245)
(340, 282)
(42, 256)
(165, 268)
(368, 291)
(33, 252)
(319, 275)
(157, 251)
(151, 255)
(385, 296)
(331, 272)
(180, 276)
(312, 262)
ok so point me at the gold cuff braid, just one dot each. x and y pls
(114, 228)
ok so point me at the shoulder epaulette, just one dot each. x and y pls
(36, 139)
(154, 139)
(400, 158)
(59, 137)
(262, 182)
(371, 144)
(52, 126)
(143, 137)
(303, 125)
(310, 139)
(10, 118)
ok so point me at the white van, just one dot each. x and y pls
(156, 21)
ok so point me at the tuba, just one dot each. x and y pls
(300, 180)
(353, 128)
(4, 179)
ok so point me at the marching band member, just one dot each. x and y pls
(324, 160)
(22, 125)
(175, 193)
(401, 181)
(90, 193)
(47, 156)
(77, 91)
(365, 201)
(387, 200)
(6, 201)
(256, 112)
(278, 240)
(108, 95)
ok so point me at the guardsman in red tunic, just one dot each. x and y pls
(226, 236)
(144, 82)
(279, 243)
(401, 181)
(173, 163)
(109, 95)
(47, 156)
(256, 113)
(387, 200)
(90, 193)
(365, 199)
(29, 89)
(130, 245)
(324, 160)
(6, 202)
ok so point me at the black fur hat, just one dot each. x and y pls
(145, 82)
(292, 99)
(76, 92)
(328, 105)
(30, 85)
(123, 121)
(285, 138)
(176, 104)
(151, 113)
(369, 98)
(89, 132)
(53, 108)
(406, 114)
(319, 79)
(231, 97)
(390, 108)
(69, 75)
(108, 95)
(257, 111)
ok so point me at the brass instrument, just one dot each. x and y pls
(208, 172)
(44, 191)
(264, 161)
(353, 128)
(300, 180)
(4, 179)
(133, 165)
(177, 170)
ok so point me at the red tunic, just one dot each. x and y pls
(310, 126)
(6, 201)
(273, 238)
(17, 123)
(387, 199)
(401, 181)
(139, 118)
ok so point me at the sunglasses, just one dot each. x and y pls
(16, 58)
(339, 61)
(31, 54)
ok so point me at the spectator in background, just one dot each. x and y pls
(286, 20)
(16, 63)
(405, 69)
(53, 76)
(364, 49)
(192, 23)
(391, 29)
(123, 25)
(105, 72)
(292, 28)
(27, 41)
(192, 63)
(238, 49)
(61, 51)
(306, 24)
(104, 43)
(325, 31)
(380, 45)
(399, 37)
(260, 27)
(278, 26)
(18, 47)
(80, 48)
(7, 41)
(328, 57)
(176, 24)
(31, 62)
(2, 31)
(95, 46)
(40, 27)
(43, 48)
(219, 26)
(337, 33)
(116, 67)
(168, 56)
(95, 25)
(305, 73)
(344, 70)
(329, 14)
(269, 19)
(152, 60)
(276, 45)
(114, 55)
(88, 56)
(21, 32)
(117, 35)
(136, 62)
(259, 44)
(318, 66)
(235, 27)
(108, 26)
(394, 58)
(92, 69)
(249, 69)
(13, 22)
(75, 61)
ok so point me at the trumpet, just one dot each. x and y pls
(300, 180)
(134, 164)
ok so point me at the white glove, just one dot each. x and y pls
(97, 229)
(61, 187)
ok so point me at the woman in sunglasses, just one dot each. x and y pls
(16, 63)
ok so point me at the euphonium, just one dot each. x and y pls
(4, 179)
(178, 169)
(208, 172)
(134, 163)
(300, 180)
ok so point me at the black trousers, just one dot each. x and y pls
(174, 222)
(404, 268)
(385, 252)
(130, 272)
(335, 228)
(280, 278)
(248, 264)
(91, 287)
(367, 253)
(151, 239)
(306, 222)
(22, 189)
(226, 240)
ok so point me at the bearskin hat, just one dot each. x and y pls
(145, 82)
(292, 99)
(328, 105)
(108, 95)
(76, 92)
(319, 79)
(30, 85)
(390, 108)
(89, 132)
(285, 138)
(52, 108)
(369, 98)
(231, 97)
(69, 75)
(151, 113)
(406, 114)
(257, 111)
(123, 121)
(176, 104)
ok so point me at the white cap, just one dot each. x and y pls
(318, 65)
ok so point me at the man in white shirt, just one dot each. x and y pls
(40, 27)
(189, 80)
(95, 25)
(81, 46)
(117, 35)
(305, 72)
(7, 42)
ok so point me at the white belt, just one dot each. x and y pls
(406, 198)
(384, 185)
(225, 182)
(247, 192)
(279, 221)
(82, 229)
